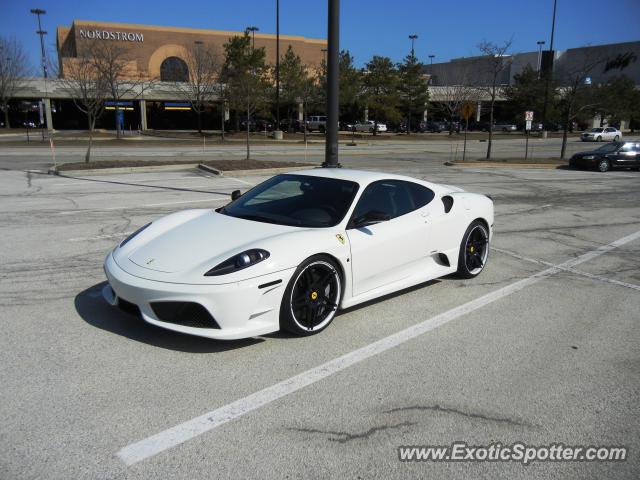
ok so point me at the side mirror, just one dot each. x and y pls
(235, 195)
(370, 218)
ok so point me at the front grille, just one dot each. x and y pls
(188, 314)
(128, 307)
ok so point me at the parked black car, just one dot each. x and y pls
(611, 155)
(433, 126)
(257, 125)
(291, 126)
(346, 126)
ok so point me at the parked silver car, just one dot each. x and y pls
(601, 134)
(368, 126)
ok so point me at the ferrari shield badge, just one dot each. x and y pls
(340, 238)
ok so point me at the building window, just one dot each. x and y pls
(174, 69)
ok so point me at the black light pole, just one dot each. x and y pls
(38, 12)
(278, 65)
(431, 57)
(333, 48)
(253, 31)
(549, 72)
(540, 44)
(413, 39)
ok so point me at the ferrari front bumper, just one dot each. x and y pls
(239, 309)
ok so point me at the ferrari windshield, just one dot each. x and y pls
(296, 200)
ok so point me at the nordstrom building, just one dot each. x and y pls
(152, 49)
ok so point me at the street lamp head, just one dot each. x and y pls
(252, 29)
(413, 37)
(38, 11)
(540, 42)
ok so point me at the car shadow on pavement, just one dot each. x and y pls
(389, 296)
(285, 335)
(94, 310)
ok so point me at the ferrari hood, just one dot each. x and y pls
(182, 242)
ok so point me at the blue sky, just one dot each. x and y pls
(447, 29)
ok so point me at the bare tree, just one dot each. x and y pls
(87, 89)
(204, 67)
(112, 66)
(575, 95)
(13, 67)
(456, 91)
(496, 60)
(310, 93)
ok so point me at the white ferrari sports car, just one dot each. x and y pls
(294, 249)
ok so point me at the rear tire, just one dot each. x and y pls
(598, 139)
(616, 138)
(474, 250)
(312, 296)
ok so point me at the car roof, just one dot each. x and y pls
(363, 177)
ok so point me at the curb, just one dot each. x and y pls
(174, 168)
(209, 169)
(504, 165)
(263, 171)
(104, 171)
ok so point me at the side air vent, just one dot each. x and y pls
(443, 260)
(447, 201)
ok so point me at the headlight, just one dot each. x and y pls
(124, 242)
(238, 262)
(588, 157)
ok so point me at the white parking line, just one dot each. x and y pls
(183, 432)
(569, 269)
(240, 181)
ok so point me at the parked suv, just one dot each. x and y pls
(317, 123)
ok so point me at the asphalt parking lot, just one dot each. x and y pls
(551, 357)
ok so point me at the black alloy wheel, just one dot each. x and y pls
(474, 250)
(312, 297)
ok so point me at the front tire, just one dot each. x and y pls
(474, 250)
(599, 139)
(604, 166)
(312, 296)
(616, 138)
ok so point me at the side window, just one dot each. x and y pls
(393, 197)
(610, 130)
(421, 195)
